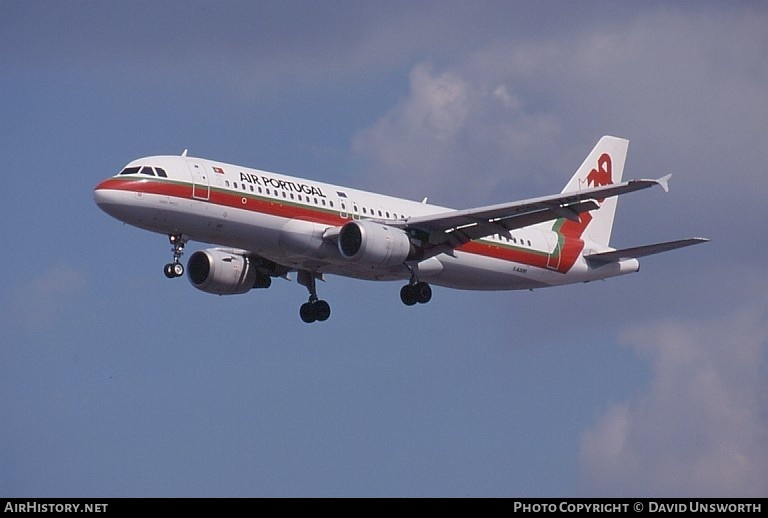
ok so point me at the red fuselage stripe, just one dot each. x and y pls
(569, 250)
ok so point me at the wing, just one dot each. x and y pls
(454, 228)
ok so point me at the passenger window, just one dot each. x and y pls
(330, 203)
(226, 182)
(161, 172)
(147, 170)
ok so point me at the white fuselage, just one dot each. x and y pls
(287, 220)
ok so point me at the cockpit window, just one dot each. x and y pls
(147, 170)
(130, 170)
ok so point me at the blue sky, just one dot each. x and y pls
(115, 381)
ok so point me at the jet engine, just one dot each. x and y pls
(224, 272)
(370, 243)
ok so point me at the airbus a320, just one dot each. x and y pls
(266, 225)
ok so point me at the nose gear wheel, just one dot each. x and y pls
(175, 269)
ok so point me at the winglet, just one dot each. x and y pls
(664, 182)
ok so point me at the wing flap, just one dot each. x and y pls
(642, 251)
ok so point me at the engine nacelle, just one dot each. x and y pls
(374, 244)
(224, 273)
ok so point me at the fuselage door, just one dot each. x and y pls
(201, 188)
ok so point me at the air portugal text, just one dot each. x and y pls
(266, 181)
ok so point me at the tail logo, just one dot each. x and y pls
(597, 177)
(603, 175)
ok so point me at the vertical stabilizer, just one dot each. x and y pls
(603, 166)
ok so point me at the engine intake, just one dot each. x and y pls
(224, 273)
(374, 244)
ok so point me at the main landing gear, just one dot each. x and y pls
(415, 292)
(315, 310)
(176, 269)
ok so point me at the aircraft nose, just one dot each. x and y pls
(109, 199)
(101, 194)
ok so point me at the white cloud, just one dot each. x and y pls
(687, 87)
(701, 426)
(449, 128)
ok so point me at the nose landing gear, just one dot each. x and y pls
(176, 269)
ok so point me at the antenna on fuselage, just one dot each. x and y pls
(185, 152)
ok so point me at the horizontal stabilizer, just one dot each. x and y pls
(641, 251)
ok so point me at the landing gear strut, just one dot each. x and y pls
(176, 269)
(315, 310)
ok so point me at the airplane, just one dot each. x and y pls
(267, 225)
